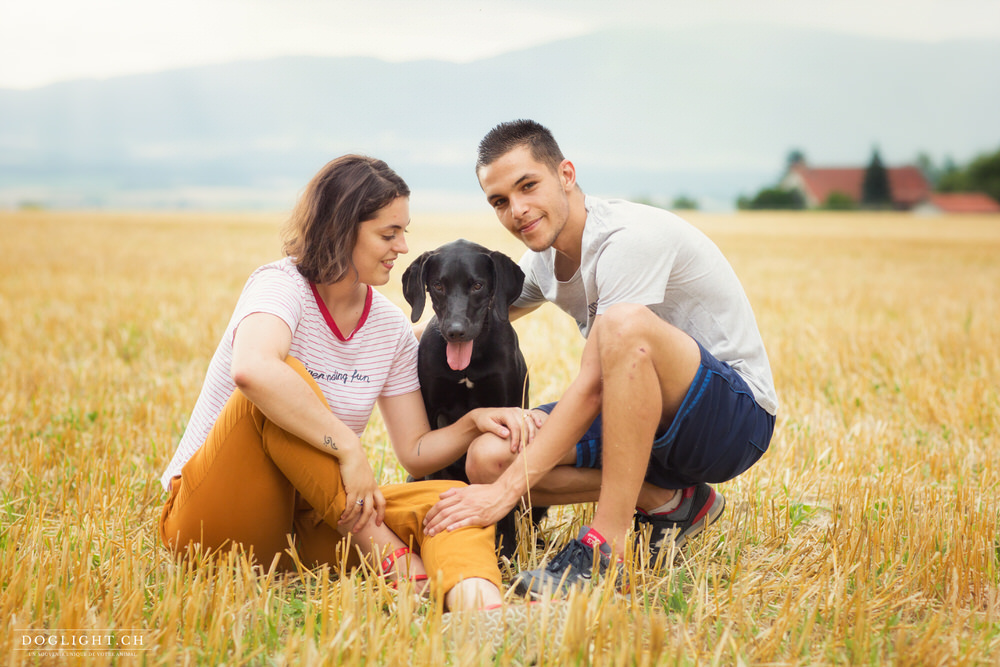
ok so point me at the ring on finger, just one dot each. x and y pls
(360, 501)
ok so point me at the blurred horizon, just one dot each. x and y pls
(654, 101)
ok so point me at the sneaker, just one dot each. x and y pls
(700, 506)
(573, 567)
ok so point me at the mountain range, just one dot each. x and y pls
(709, 113)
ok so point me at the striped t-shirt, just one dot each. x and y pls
(378, 359)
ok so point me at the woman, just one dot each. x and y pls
(272, 455)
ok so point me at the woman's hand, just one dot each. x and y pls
(360, 485)
(517, 424)
(260, 370)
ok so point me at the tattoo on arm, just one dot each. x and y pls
(328, 441)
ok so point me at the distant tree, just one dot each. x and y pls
(950, 166)
(645, 200)
(930, 170)
(875, 191)
(775, 198)
(951, 180)
(795, 156)
(684, 203)
(982, 175)
(839, 201)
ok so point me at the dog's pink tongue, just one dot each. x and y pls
(459, 355)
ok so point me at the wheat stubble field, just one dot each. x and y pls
(868, 534)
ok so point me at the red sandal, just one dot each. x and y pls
(389, 563)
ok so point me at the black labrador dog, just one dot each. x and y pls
(469, 355)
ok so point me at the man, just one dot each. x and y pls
(674, 391)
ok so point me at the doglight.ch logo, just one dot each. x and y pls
(83, 642)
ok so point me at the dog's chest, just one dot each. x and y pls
(468, 390)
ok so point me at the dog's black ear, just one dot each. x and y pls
(508, 279)
(414, 290)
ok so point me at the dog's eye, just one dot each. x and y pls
(437, 286)
(476, 287)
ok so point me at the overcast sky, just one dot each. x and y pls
(44, 41)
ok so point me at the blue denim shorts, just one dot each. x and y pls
(718, 432)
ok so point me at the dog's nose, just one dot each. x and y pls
(454, 331)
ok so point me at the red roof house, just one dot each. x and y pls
(907, 185)
(959, 202)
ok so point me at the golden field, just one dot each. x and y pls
(868, 534)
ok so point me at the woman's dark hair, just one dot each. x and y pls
(505, 137)
(323, 228)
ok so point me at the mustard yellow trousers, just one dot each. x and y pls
(261, 487)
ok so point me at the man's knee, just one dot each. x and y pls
(627, 328)
(488, 456)
(625, 313)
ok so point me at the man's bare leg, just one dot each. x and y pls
(566, 484)
(647, 367)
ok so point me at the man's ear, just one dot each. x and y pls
(567, 175)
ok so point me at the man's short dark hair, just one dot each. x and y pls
(505, 137)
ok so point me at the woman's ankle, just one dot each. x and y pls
(390, 555)
(473, 593)
(376, 541)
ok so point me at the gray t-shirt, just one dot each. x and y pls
(640, 254)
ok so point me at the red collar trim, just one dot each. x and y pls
(329, 318)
